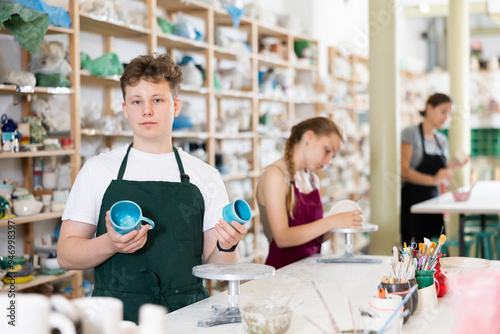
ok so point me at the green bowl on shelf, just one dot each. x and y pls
(46, 271)
(4, 261)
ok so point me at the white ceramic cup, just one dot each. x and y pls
(151, 319)
(383, 308)
(31, 313)
(128, 327)
(427, 298)
(49, 180)
(99, 315)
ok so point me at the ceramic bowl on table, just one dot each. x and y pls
(464, 264)
(266, 318)
(461, 196)
(27, 207)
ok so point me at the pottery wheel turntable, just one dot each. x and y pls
(233, 273)
(349, 256)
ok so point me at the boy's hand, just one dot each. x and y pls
(127, 243)
(229, 235)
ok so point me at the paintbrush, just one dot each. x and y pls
(427, 258)
(428, 244)
(441, 241)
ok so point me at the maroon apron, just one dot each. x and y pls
(308, 208)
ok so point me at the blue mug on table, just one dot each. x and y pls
(238, 210)
(126, 216)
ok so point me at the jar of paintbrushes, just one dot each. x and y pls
(401, 278)
(428, 286)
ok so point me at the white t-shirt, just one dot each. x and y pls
(84, 201)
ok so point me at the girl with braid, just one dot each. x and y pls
(288, 194)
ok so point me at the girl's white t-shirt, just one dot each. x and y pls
(85, 198)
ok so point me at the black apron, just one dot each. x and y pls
(421, 225)
(159, 272)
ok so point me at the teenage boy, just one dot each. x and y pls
(180, 193)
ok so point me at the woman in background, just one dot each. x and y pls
(424, 167)
(288, 194)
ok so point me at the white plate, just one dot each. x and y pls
(345, 205)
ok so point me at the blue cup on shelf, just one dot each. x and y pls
(126, 216)
(238, 210)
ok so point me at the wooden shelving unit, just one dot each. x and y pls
(412, 97)
(154, 40)
(31, 219)
(27, 223)
(349, 96)
(75, 275)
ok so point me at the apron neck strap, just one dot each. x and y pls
(423, 140)
(184, 176)
(124, 163)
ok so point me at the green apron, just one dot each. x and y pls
(159, 272)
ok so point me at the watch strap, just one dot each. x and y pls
(232, 249)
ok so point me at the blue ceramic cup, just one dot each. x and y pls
(126, 216)
(238, 210)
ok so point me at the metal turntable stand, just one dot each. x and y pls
(349, 256)
(233, 273)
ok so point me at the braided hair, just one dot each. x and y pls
(321, 126)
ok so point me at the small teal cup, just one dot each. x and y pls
(126, 216)
(238, 210)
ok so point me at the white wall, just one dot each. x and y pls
(344, 24)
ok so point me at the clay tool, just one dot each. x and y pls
(405, 299)
(332, 321)
(352, 315)
(413, 246)
(410, 273)
(381, 293)
(395, 254)
(420, 262)
(391, 269)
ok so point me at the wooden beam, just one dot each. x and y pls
(485, 31)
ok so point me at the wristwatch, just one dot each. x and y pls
(232, 249)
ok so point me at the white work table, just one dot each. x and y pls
(484, 199)
(335, 281)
